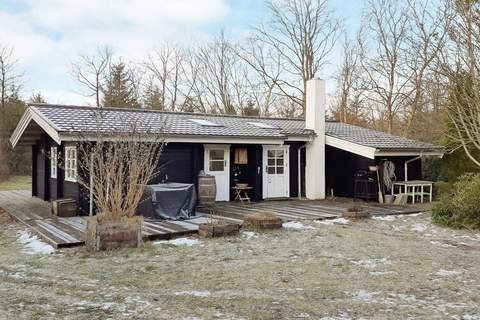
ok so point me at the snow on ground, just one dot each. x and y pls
(365, 296)
(294, 225)
(447, 273)
(384, 218)
(249, 235)
(370, 263)
(179, 242)
(419, 227)
(333, 221)
(32, 245)
(199, 294)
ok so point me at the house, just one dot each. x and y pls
(278, 157)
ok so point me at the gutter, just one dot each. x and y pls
(300, 171)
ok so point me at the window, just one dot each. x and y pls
(205, 123)
(262, 125)
(71, 164)
(217, 160)
(275, 161)
(53, 162)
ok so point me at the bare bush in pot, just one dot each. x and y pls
(117, 161)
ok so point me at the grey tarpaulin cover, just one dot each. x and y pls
(172, 201)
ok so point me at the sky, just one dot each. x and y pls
(46, 35)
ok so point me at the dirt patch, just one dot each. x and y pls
(387, 267)
(5, 218)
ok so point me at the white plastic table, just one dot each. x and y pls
(414, 188)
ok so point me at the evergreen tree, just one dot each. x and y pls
(152, 96)
(120, 88)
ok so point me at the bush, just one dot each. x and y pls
(460, 209)
(442, 188)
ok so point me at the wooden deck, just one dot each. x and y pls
(67, 232)
(290, 210)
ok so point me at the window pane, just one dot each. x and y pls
(216, 165)
(271, 162)
(271, 170)
(280, 154)
(216, 154)
(280, 162)
(279, 170)
(271, 154)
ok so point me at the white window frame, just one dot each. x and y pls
(53, 162)
(71, 163)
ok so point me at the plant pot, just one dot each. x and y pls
(113, 234)
(264, 220)
(358, 214)
(389, 199)
(213, 230)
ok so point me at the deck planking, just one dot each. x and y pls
(66, 232)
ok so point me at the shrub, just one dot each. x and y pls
(442, 188)
(460, 209)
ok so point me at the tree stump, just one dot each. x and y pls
(108, 235)
(264, 220)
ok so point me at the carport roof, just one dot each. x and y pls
(61, 122)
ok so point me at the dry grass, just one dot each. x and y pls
(17, 183)
(374, 269)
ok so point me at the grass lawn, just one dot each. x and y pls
(17, 183)
(385, 268)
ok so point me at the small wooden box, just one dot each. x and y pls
(64, 208)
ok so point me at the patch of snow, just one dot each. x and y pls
(419, 227)
(381, 273)
(294, 225)
(365, 296)
(447, 273)
(370, 263)
(333, 221)
(384, 218)
(33, 245)
(179, 242)
(445, 245)
(342, 316)
(471, 317)
(249, 234)
(199, 294)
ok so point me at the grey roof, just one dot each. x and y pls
(89, 119)
(376, 139)
(83, 119)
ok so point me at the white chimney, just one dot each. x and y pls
(315, 150)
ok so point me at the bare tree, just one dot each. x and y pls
(462, 66)
(10, 77)
(91, 70)
(221, 79)
(302, 33)
(166, 66)
(405, 38)
(347, 103)
(263, 81)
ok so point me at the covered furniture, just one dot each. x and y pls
(414, 188)
(171, 201)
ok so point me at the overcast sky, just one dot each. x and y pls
(47, 34)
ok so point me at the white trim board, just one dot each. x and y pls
(32, 115)
(358, 149)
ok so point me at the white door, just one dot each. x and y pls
(276, 182)
(217, 163)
